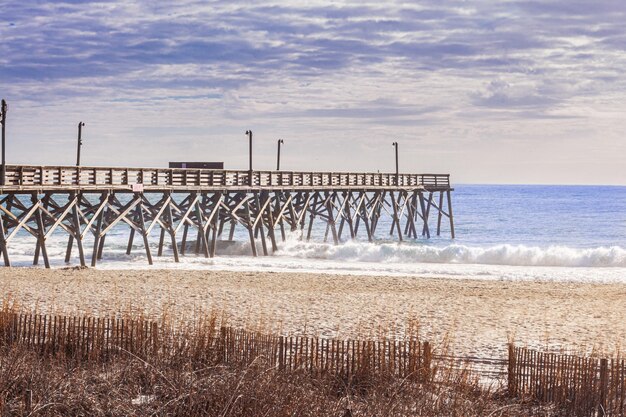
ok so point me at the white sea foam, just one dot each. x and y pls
(515, 255)
(421, 258)
(388, 253)
(282, 262)
(500, 262)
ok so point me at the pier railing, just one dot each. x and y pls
(21, 176)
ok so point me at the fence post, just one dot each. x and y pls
(604, 385)
(154, 329)
(427, 358)
(28, 400)
(223, 344)
(281, 347)
(511, 371)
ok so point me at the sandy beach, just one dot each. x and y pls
(478, 316)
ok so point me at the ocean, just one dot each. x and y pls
(503, 232)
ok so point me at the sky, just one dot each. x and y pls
(490, 91)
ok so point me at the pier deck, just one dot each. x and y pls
(90, 201)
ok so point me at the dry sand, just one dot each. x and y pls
(480, 316)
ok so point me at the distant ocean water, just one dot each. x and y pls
(511, 232)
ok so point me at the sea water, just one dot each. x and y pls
(503, 232)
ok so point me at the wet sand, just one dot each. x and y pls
(478, 316)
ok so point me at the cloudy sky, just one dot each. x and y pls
(489, 91)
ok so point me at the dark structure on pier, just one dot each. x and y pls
(88, 200)
(197, 165)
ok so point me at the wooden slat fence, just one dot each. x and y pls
(402, 358)
(84, 338)
(581, 385)
(87, 338)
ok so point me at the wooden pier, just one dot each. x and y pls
(79, 201)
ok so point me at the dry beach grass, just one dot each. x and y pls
(191, 369)
(36, 384)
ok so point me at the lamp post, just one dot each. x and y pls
(249, 133)
(3, 120)
(80, 142)
(280, 141)
(395, 145)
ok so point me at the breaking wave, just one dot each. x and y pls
(356, 252)
(514, 255)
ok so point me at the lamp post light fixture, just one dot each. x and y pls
(3, 121)
(395, 145)
(280, 141)
(80, 142)
(249, 133)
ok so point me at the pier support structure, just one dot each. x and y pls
(172, 205)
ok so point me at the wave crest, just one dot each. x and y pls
(515, 255)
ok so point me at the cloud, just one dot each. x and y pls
(92, 40)
(331, 64)
(500, 94)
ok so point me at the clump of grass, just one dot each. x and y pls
(9, 304)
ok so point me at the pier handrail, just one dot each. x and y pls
(24, 176)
